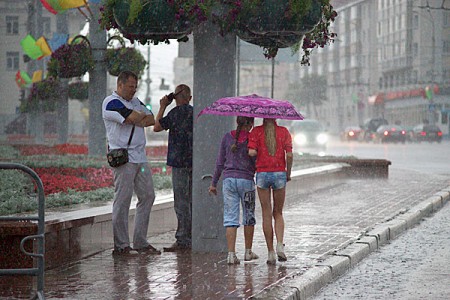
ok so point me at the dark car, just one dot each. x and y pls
(369, 129)
(427, 132)
(390, 133)
(308, 135)
(351, 133)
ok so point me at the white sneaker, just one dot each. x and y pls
(250, 255)
(280, 252)
(232, 259)
(271, 258)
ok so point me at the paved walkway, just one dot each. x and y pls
(317, 225)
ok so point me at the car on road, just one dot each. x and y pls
(308, 135)
(426, 132)
(369, 129)
(390, 133)
(351, 133)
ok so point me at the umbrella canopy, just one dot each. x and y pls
(253, 106)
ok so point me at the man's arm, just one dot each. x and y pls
(163, 103)
(148, 120)
(135, 117)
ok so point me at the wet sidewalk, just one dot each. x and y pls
(317, 226)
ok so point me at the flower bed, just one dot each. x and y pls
(68, 175)
(57, 180)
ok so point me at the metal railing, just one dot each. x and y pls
(37, 271)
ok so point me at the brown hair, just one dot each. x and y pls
(124, 75)
(270, 136)
(241, 121)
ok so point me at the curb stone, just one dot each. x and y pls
(309, 283)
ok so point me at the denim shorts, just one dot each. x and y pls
(274, 180)
(237, 191)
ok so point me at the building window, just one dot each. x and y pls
(12, 25)
(416, 21)
(46, 25)
(446, 47)
(446, 18)
(415, 49)
(12, 61)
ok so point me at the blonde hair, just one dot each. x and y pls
(270, 136)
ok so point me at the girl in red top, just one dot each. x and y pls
(272, 146)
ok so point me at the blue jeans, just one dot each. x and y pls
(237, 191)
(182, 194)
(274, 180)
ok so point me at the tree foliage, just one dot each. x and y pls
(308, 93)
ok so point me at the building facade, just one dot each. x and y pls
(17, 19)
(391, 59)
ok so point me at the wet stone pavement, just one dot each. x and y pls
(316, 224)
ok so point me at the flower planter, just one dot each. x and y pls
(43, 94)
(124, 58)
(71, 60)
(274, 24)
(79, 90)
(158, 21)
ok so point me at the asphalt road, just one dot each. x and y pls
(414, 266)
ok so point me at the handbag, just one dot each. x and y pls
(119, 157)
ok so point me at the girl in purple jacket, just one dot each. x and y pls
(238, 170)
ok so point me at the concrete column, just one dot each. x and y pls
(62, 121)
(214, 78)
(97, 86)
(36, 126)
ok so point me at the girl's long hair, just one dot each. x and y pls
(241, 121)
(270, 136)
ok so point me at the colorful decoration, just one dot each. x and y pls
(43, 45)
(58, 40)
(30, 48)
(37, 76)
(22, 79)
(59, 6)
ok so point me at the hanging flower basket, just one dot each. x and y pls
(43, 94)
(71, 60)
(124, 58)
(271, 24)
(278, 24)
(79, 90)
(154, 21)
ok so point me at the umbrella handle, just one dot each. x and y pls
(207, 176)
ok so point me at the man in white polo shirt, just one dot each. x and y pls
(122, 112)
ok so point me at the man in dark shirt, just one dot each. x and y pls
(179, 122)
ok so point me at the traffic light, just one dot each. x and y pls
(428, 92)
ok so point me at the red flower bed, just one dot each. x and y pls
(156, 151)
(71, 149)
(56, 180)
(27, 150)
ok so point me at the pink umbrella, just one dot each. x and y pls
(253, 106)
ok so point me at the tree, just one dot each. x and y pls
(311, 91)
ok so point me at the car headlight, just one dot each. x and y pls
(300, 139)
(322, 139)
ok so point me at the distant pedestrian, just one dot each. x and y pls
(238, 170)
(125, 118)
(272, 146)
(179, 122)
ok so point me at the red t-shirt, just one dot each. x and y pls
(264, 161)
